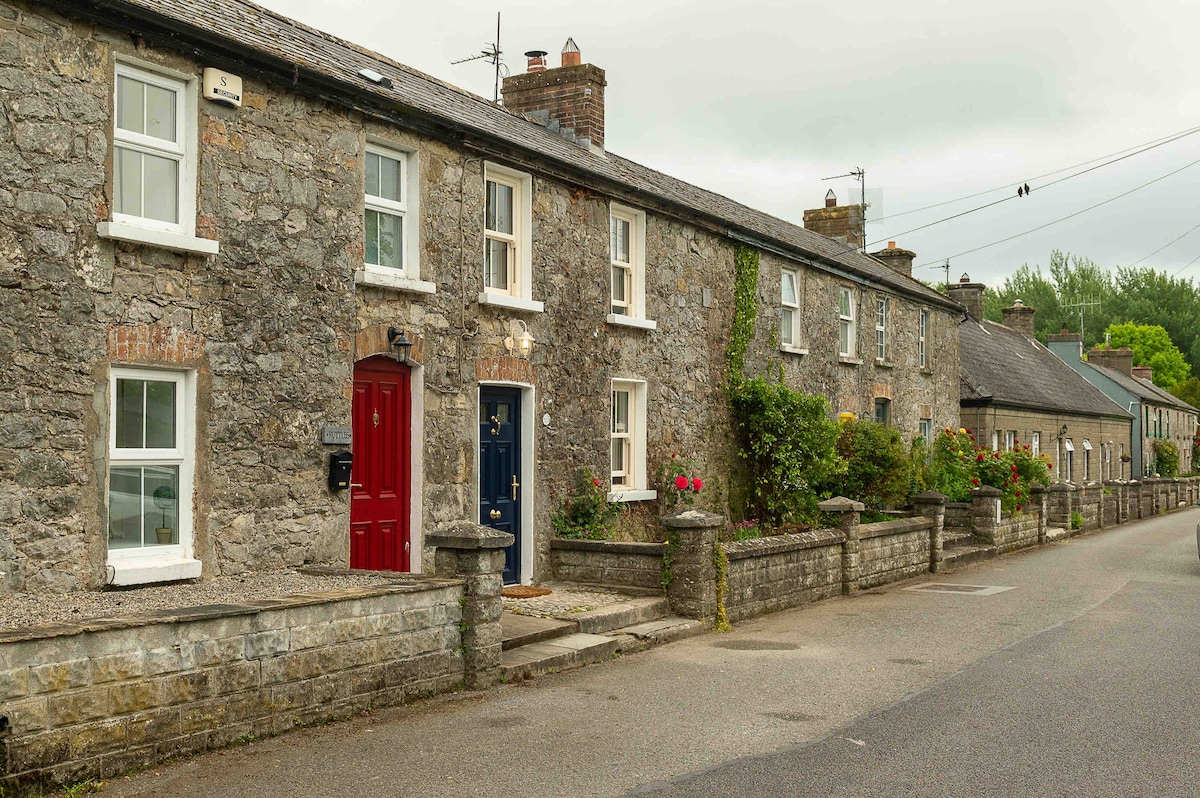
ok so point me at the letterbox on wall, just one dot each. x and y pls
(339, 470)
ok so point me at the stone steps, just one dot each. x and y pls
(642, 636)
(559, 654)
(965, 553)
(615, 616)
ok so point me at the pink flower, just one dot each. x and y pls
(697, 484)
(681, 482)
(595, 482)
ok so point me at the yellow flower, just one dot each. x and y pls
(962, 431)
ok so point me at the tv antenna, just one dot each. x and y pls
(491, 52)
(858, 174)
(1081, 305)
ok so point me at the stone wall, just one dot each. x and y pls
(958, 517)
(98, 698)
(893, 550)
(781, 571)
(1017, 530)
(609, 563)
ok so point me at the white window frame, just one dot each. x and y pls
(789, 313)
(519, 294)
(1010, 440)
(1035, 444)
(634, 487)
(1087, 459)
(846, 322)
(995, 440)
(922, 336)
(180, 235)
(635, 305)
(881, 325)
(1068, 453)
(167, 562)
(408, 276)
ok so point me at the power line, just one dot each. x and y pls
(1189, 263)
(895, 236)
(1069, 216)
(1164, 246)
(1011, 186)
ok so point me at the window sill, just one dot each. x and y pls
(397, 282)
(511, 302)
(884, 364)
(793, 350)
(927, 371)
(631, 321)
(177, 242)
(142, 570)
(849, 361)
(632, 495)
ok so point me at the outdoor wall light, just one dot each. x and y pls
(522, 342)
(399, 341)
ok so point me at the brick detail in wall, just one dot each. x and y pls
(373, 341)
(151, 344)
(883, 391)
(504, 369)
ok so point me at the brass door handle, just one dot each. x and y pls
(515, 485)
(495, 514)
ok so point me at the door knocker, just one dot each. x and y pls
(495, 425)
(375, 418)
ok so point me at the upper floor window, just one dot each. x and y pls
(627, 257)
(386, 209)
(881, 324)
(507, 258)
(845, 322)
(922, 334)
(789, 316)
(154, 160)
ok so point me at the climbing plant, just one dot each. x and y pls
(745, 311)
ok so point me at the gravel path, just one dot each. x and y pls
(565, 598)
(20, 610)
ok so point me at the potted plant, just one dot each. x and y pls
(164, 499)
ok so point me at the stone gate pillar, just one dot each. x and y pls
(692, 590)
(1038, 503)
(932, 505)
(475, 554)
(985, 513)
(849, 514)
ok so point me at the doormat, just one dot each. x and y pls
(525, 591)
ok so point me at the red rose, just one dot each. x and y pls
(697, 484)
(974, 480)
(595, 482)
(1016, 442)
(979, 457)
(1018, 493)
(1018, 507)
(681, 482)
(1049, 465)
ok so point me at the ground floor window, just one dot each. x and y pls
(627, 434)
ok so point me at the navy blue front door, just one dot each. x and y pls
(500, 470)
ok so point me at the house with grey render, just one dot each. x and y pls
(272, 299)
(1157, 414)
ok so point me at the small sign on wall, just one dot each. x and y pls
(336, 436)
(223, 88)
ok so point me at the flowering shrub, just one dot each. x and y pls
(677, 485)
(878, 472)
(958, 464)
(588, 514)
(1166, 458)
(745, 530)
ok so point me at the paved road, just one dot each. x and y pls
(1080, 680)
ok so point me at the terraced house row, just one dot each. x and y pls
(236, 252)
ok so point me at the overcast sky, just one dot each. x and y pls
(934, 99)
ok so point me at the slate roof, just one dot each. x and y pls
(1143, 388)
(273, 38)
(1001, 366)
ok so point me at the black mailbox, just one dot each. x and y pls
(339, 470)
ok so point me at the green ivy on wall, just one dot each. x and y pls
(745, 311)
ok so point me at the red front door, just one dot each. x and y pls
(380, 485)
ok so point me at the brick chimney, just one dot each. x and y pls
(1019, 318)
(1144, 373)
(840, 222)
(1116, 359)
(969, 295)
(570, 98)
(896, 259)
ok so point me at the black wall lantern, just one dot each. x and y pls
(400, 343)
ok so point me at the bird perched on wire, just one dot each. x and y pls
(1020, 191)
(1027, 189)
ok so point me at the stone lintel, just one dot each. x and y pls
(468, 535)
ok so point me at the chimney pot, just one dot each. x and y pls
(1019, 318)
(896, 259)
(969, 295)
(537, 61)
(570, 53)
(830, 199)
(570, 98)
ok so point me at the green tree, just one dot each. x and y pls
(1188, 391)
(1145, 296)
(878, 472)
(1152, 347)
(1035, 291)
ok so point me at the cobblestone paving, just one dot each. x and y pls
(566, 598)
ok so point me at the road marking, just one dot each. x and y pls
(945, 587)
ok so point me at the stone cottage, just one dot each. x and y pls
(1016, 392)
(1157, 415)
(235, 251)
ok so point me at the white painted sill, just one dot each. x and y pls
(632, 495)
(177, 242)
(147, 570)
(631, 321)
(397, 282)
(793, 350)
(850, 361)
(511, 302)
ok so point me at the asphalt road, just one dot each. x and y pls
(1081, 679)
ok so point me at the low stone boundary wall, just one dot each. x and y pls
(958, 517)
(606, 562)
(102, 697)
(893, 550)
(1018, 530)
(781, 571)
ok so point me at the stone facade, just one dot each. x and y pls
(269, 310)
